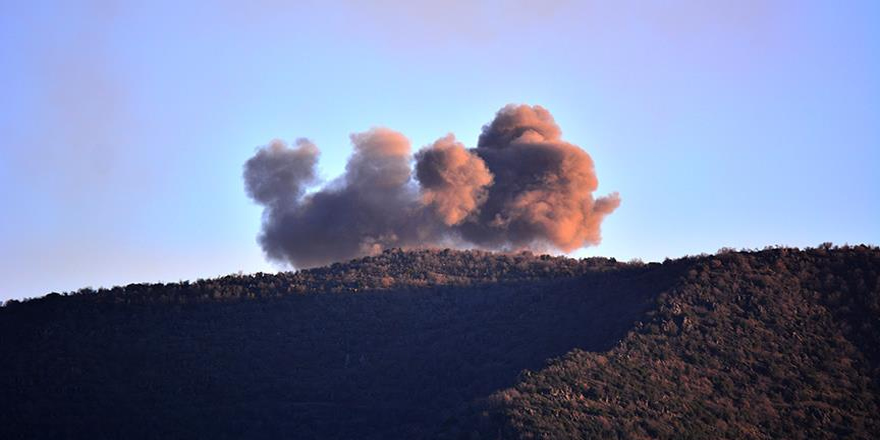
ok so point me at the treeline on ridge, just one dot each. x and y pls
(777, 343)
(393, 269)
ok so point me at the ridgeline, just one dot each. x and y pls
(779, 343)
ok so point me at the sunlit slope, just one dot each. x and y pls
(776, 344)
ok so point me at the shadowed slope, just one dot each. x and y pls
(397, 362)
(432, 344)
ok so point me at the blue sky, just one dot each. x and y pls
(125, 126)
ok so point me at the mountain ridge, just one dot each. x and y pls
(461, 344)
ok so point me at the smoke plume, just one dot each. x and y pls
(453, 179)
(522, 187)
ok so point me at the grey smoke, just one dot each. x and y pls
(523, 187)
(277, 175)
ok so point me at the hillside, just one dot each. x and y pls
(449, 344)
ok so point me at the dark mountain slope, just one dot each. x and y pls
(778, 343)
(775, 344)
(442, 330)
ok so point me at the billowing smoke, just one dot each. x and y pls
(543, 190)
(453, 180)
(523, 187)
(372, 207)
(277, 176)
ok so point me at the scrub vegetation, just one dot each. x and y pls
(778, 343)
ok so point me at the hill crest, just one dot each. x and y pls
(774, 343)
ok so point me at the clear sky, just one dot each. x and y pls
(721, 123)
